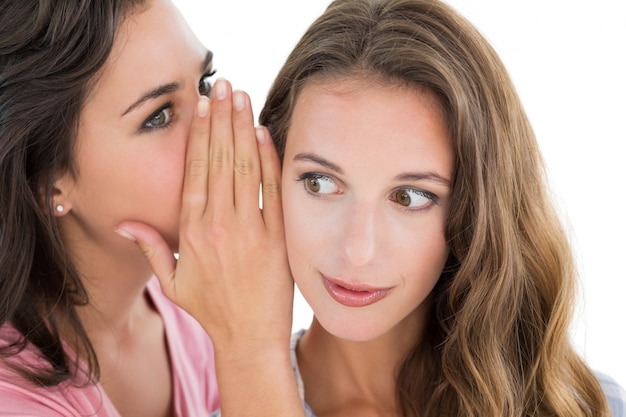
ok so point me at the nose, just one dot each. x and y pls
(359, 235)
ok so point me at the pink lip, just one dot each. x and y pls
(353, 296)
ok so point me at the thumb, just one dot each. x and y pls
(155, 249)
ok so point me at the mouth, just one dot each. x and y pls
(353, 295)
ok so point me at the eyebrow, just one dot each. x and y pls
(424, 176)
(207, 62)
(152, 94)
(411, 176)
(309, 157)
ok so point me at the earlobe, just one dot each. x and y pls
(60, 204)
(62, 187)
(59, 210)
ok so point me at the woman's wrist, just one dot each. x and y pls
(257, 378)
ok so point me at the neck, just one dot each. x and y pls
(114, 311)
(115, 277)
(340, 374)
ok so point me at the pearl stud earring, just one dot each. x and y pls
(59, 208)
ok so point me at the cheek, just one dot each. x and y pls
(305, 235)
(297, 224)
(163, 161)
(159, 174)
(155, 174)
(140, 180)
(417, 247)
(427, 256)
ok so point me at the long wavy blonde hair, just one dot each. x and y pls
(497, 341)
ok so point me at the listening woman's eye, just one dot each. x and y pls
(412, 198)
(319, 184)
(160, 118)
(204, 86)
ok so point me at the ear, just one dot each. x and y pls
(63, 186)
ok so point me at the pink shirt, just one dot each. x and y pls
(191, 356)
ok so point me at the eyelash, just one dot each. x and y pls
(426, 194)
(147, 123)
(311, 175)
(433, 199)
(205, 84)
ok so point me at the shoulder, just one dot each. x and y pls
(615, 394)
(191, 355)
(20, 397)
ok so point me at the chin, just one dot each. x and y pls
(356, 329)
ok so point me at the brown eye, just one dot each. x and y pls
(319, 184)
(412, 198)
(403, 198)
(313, 184)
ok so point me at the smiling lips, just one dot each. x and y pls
(353, 296)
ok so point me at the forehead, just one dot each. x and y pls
(385, 124)
(369, 102)
(350, 88)
(153, 45)
(352, 81)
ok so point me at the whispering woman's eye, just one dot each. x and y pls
(319, 184)
(412, 198)
(160, 118)
(204, 86)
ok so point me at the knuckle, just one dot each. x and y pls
(149, 252)
(221, 158)
(199, 130)
(197, 167)
(217, 232)
(194, 198)
(271, 188)
(188, 233)
(244, 166)
(201, 238)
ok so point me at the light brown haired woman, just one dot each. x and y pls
(418, 225)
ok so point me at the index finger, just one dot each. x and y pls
(221, 151)
(195, 186)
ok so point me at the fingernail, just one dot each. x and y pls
(203, 106)
(260, 135)
(219, 89)
(239, 100)
(125, 234)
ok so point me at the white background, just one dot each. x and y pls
(567, 59)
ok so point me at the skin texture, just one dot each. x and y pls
(130, 163)
(354, 230)
(231, 248)
(127, 163)
(232, 272)
(366, 184)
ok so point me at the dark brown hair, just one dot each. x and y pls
(51, 52)
(497, 341)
